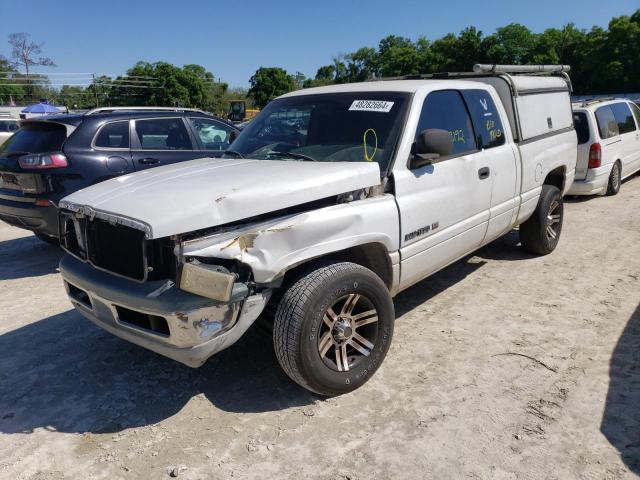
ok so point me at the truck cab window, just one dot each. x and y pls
(445, 110)
(485, 117)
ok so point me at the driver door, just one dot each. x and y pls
(444, 207)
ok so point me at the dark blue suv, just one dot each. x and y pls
(50, 157)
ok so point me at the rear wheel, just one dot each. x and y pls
(333, 328)
(47, 239)
(541, 233)
(615, 180)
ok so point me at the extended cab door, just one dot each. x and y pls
(498, 155)
(444, 207)
(161, 141)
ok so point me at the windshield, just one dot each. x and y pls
(332, 127)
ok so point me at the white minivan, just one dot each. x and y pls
(608, 145)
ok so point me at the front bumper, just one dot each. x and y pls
(25, 214)
(158, 315)
(595, 182)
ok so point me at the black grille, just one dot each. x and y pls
(116, 248)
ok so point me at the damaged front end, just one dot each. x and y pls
(139, 289)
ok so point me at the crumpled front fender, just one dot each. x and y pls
(273, 247)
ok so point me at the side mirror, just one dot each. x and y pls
(430, 146)
(232, 136)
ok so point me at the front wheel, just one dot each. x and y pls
(540, 233)
(333, 328)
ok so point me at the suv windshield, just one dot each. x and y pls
(332, 127)
(36, 138)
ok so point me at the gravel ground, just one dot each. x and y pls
(502, 366)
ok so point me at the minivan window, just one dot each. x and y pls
(8, 126)
(445, 110)
(636, 113)
(581, 125)
(163, 134)
(36, 137)
(607, 124)
(624, 117)
(113, 135)
(485, 118)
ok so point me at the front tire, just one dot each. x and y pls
(615, 180)
(333, 328)
(540, 233)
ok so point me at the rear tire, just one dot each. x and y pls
(47, 239)
(615, 180)
(541, 233)
(333, 328)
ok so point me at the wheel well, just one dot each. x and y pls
(373, 256)
(556, 178)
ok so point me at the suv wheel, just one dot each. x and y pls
(333, 328)
(541, 233)
(615, 180)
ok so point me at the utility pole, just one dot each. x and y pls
(95, 89)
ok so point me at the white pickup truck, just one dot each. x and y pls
(332, 201)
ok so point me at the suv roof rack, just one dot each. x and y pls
(144, 109)
(592, 101)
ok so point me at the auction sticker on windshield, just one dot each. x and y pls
(371, 106)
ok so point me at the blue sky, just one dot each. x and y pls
(232, 39)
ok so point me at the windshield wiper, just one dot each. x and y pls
(298, 156)
(234, 153)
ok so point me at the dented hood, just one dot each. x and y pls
(207, 192)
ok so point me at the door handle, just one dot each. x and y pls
(484, 173)
(148, 161)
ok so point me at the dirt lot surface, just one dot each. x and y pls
(502, 366)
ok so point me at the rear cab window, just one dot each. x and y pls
(163, 134)
(36, 137)
(446, 110)
(607, 124)
(581, 124)
(486, 120)
(624, 117)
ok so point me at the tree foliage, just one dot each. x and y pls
(602, 60)
(268, 83)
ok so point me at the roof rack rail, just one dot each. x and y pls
(592, 101)
(143, 109)
(494, 68)
(487, 70)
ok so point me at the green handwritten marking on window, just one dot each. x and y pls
(491, 124)
(495, 134)
(367, 157)
(457, 136)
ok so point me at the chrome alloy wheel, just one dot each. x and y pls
(350, 335)
(553, 220)
(615, 178)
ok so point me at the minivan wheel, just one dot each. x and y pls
(541, 233)
(615, 180)
(333, 327)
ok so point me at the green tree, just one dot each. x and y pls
(268, 83)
